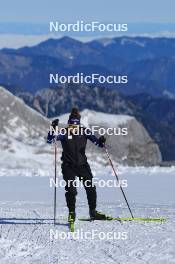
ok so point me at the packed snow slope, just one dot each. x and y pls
(26, 220)
(28, 236)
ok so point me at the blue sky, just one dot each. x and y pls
(40, 11)
(27, 22)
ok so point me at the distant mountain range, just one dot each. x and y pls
(149, 95)
(148, 62)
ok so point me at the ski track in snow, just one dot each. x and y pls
(25, 236)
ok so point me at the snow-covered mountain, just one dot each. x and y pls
(22, 133)
(155, 114)
(135, 148)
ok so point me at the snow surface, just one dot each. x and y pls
(26, 220)
(26, 227)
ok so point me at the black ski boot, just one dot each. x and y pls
(71, 217)
(95, 215)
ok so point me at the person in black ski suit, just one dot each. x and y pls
(74, 163)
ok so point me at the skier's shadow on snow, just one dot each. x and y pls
(21, 221)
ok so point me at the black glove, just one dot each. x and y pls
(55, 123)
(102, 140)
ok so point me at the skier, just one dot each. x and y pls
(74, 163)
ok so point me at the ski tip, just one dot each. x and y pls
(143, 219)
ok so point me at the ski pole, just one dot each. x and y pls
(55, 191)
(110, 161)
(54, 126)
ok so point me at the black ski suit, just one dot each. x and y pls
(75, 164)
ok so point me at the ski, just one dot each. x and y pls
(161, 219)
(108, 218)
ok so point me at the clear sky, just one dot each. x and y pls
(26, 22)
(39, 11)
